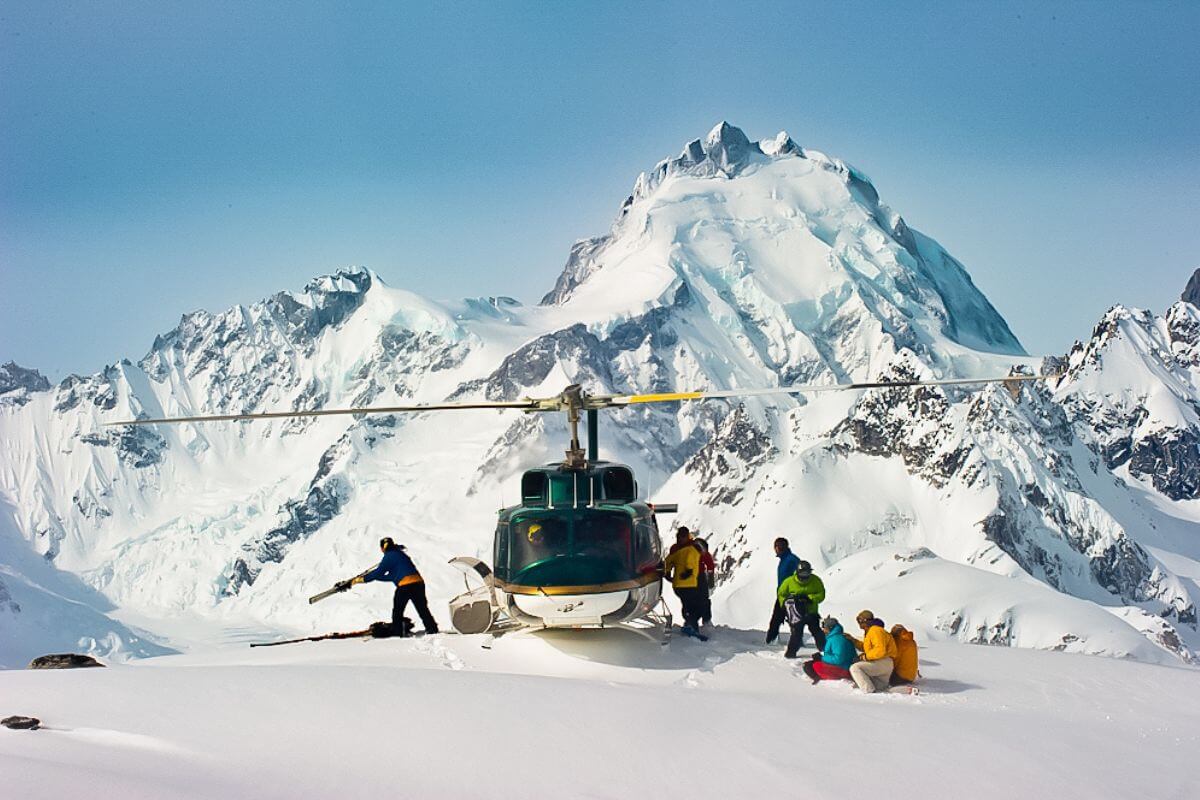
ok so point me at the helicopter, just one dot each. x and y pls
(579, 550)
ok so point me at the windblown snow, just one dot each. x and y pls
(1061, 517)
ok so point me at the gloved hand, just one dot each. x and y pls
(687, 573)
(342, 586)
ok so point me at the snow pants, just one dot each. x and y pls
(820, 671)
(705, 604)
(414, 592)
(796, 640)
(692, 600)
(872, 676)
(777, 615)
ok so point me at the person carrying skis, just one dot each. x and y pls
(800, 595)
(682, 568)
(788, 561)
(833, 663)
(396, 567)
(874, 672)
(905, 671)
(708, 580)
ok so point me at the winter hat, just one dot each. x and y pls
(829, 623)
(386, 542)
(864, 616)
(804, 570)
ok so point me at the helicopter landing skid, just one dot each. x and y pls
(660, 622)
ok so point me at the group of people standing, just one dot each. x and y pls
(692, 572)
(878, 661)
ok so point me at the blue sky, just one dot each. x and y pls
(157, 158)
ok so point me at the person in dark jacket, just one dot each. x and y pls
(396, 567)
(788, 561)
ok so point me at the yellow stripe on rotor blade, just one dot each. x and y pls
(664, 398)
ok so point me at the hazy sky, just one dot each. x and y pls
(157, 158)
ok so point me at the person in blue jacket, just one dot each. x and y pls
(396, 567)
(788, 561)
(833, 663)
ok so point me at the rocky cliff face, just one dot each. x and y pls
(1133, 390)
(18, 383)
(735, 264)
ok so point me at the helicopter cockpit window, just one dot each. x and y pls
(533, 488)
(571, 547)
(619, 484)
(534, 540)
(606, 536)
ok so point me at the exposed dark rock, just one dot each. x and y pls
(302, 519)
(1191, 294)
(21, 723)
(1170, 460)
(580, 264)
(64, 661)
(17, 383)
(734, 450)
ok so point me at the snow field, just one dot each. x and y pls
(601, 714)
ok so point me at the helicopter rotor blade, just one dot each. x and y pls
(525, 405)
(670, 397)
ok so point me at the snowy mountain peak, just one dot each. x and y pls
(17, 383)
(1191, 293)
(785, 242)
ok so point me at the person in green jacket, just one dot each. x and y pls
(800, 596)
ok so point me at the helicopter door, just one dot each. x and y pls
(476, 609)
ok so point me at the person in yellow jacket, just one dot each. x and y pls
(682, 568)
(906, 656)
(874, 672)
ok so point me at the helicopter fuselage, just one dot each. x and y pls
(580, 550)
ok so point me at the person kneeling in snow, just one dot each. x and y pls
(396, 567)
(905, 671)
(834, 662)
(874, 672)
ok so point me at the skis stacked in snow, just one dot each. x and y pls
(378, 630)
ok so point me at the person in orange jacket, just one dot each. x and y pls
(905, 671)
(874, 672)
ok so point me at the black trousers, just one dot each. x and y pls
(796, 640)
(777, 616)
(692, 600)
(416, 593)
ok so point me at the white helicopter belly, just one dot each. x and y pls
(571, 610)
(578, 610)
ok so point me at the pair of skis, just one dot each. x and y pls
(378, 630)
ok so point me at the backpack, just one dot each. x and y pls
(795, 610)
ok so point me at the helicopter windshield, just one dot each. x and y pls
(570, 548)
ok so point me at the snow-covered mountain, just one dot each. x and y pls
(973, 515)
